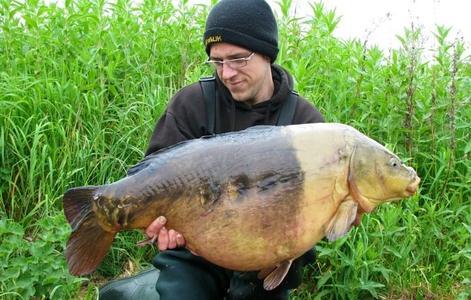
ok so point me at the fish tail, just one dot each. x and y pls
(89, 242)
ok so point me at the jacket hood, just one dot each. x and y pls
(283, 85)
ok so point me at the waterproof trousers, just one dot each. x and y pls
(184, 276)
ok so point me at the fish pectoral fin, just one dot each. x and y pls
(265, 272)
(276, 276)
(342, 220)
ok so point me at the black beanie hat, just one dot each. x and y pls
(246, 23)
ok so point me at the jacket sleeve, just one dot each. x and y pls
(306, 112)
(182, 120)
(167, 132)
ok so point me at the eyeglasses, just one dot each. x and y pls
(235, 63)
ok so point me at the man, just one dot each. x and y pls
(241, 40)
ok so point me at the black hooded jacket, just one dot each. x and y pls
(185, 117)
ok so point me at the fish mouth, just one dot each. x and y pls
(413, 186)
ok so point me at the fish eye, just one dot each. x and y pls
(394, 162)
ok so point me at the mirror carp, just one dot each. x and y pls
(249, 200)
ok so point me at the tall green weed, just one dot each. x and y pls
(82, 85)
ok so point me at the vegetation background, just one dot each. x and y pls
(82, 85)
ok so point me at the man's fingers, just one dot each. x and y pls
(172, 239)
(154, 228)
(164, 239)
(162, 242)
(180, 240)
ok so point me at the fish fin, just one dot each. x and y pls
(260, 127)
(342, 220)
(89, 242)
(358, 217)
(265, 272)
(87, 246)
(276, 276)
(140, 166)
(149, 158)
(78, 203)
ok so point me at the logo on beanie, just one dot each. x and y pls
(213, 39)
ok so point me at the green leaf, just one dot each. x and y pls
(324, 278)
(11, 273)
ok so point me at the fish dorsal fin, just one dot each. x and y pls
(275, 277)
(139, 166)
(342, 220)
(146, 161)
(261, 127)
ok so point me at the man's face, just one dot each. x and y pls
(251, 83)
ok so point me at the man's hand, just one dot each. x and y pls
(163, 238)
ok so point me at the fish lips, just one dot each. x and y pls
(413, 186)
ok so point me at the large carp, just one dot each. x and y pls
(249, 200)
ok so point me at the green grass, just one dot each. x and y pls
(81, 87)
